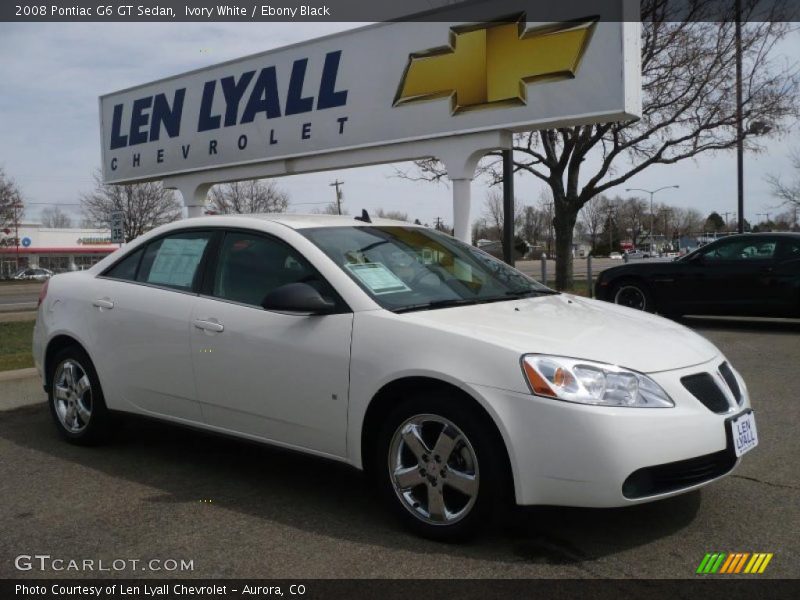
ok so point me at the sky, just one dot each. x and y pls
(51, 75)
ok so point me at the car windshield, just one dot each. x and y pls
(412, 268)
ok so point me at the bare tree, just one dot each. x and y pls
(686, 221)
(593, 215)
(688, 80)
(392, 214)
(631, 218)
(53, 216)
(247, 197)
(144, 206)
(11, 205)
(330, 209)
(534, 224)
(787, 192)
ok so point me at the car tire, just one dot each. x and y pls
(632, 293)
(445, 498)
(76, 399)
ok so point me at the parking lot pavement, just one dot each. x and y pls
(237, 509)
(20, 388)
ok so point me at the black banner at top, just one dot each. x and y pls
(386, 10)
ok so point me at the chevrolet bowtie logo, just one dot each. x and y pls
(490, 65)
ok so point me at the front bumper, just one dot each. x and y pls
(571, 454)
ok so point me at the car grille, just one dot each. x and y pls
(704, 388)
(730, 379)
(670, 477)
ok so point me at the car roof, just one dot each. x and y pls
(761, 234)
(296, 221)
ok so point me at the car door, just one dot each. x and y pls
(274, 376)
(734, 276)
(786, 276)
(140, 321)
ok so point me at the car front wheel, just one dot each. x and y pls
(443, 472)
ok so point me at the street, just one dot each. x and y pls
(18, 296)
(240, 510)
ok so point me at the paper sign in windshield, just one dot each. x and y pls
(378, 278)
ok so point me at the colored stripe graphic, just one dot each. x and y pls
(711, 563)
(734, 563)
(741, 562)
(726, 567)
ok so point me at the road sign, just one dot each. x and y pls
(117, 227)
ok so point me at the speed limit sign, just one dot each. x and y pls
(117, 227)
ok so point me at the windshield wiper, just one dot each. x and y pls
(438, 304)
(510, 295)
(531, 293)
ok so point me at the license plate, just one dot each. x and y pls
(743, 430)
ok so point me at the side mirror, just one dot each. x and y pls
(297, 298)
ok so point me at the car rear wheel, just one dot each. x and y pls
(440, 469)
(632, 294)
(76, 398)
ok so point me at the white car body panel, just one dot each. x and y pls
(293, 391)
(306, 382)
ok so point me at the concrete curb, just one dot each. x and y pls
(11, 317)
(18, 374)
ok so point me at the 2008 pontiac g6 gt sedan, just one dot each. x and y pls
(458, 383)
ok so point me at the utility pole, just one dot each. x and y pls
(739, 120)
(16, 207)
(438, 225)
(336, 183)
(508, 207)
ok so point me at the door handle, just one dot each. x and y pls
(209, 325)
(103, 303)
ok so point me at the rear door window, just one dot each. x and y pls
(173, 261)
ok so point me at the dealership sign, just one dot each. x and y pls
(374, 86)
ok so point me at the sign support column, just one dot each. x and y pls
(461, 158)
(193, 191)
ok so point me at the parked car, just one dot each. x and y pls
(456, 382)
(636, 254)
(615, 256)
(754, 274)
(33, 275)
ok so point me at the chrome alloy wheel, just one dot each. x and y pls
(72, 396)
(433, 469)
(630, 296)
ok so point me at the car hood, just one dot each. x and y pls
(565, 325)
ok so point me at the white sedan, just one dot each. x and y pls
(458, 383)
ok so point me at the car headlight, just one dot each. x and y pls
(589, 382)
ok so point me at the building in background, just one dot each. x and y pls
(59, 250)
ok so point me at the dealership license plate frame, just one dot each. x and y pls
(731, 430)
